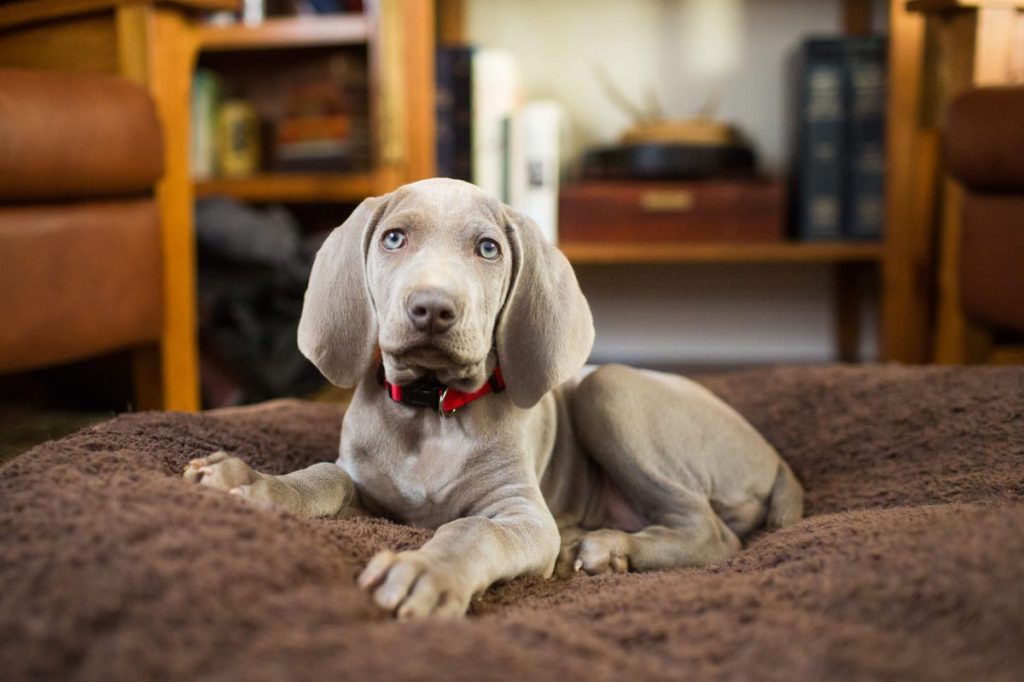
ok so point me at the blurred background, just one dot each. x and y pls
(736, 182)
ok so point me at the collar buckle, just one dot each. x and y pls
(423, 394)
(440, 405)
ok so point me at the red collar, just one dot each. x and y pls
(429, 392)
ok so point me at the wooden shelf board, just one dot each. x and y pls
(292, 187)
(583, 253)
(28, 12)
(957, 5)
(285, 32)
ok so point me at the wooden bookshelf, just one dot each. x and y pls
(286, 32)
(401, 31)
(292, 187)
(587, 253)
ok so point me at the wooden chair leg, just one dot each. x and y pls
(172, 58)
(1007, 355)
(179, 359)
(147, 378)
(156, 387)
(848, 310)
(957, 340)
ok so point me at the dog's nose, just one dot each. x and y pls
(432, 311)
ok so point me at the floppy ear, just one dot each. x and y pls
(545, 332)
(338, 327)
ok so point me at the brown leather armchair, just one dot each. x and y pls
(985, 154)
(80, 248)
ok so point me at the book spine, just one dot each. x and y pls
(821, 133)
(444, 111)
(462, 91)
(865, 168)
(536, 186)
(454, 112)
(325, 6)
(206, 96)
(495, 96)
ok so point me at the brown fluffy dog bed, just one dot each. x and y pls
(909, 565)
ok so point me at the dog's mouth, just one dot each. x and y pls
(405, 365)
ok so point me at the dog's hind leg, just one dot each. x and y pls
(691, 468)
(786, 505)
(694, 539)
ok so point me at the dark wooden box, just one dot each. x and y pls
(734, 210)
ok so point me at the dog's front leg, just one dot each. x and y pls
(318, 491)
(501, 540)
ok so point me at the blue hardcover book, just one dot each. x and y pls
(864, 207)
(444, 108)
(820, 147)
(325, 6)
(454, 112)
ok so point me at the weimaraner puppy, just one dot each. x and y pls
(465, 335)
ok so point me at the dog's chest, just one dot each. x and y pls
(418, 485)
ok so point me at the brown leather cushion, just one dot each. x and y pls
(77, 280)
(985, 139)
(992, 259)
(75, 135)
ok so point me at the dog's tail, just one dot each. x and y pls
(786, 503)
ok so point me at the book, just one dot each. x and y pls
(536, 177)
(864, 194)
(820, 147)
(454, 112)
(488, 136)
(321, 122)
(325, 6)
(207, 94)
(495, 96)
(840, 162)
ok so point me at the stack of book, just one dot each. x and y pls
(840, 160)
(319, 131)
(488, 135)
(313, 118)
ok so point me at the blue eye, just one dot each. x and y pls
(488, 249)
(393, 239)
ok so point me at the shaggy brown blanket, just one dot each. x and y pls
(909, 565)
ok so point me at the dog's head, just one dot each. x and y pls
(444, 279)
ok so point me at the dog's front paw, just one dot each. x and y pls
(598, 551)
(230, 474)
(413, 584)
(221, 471)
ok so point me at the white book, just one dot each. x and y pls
(495, 96)
(538, 166)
